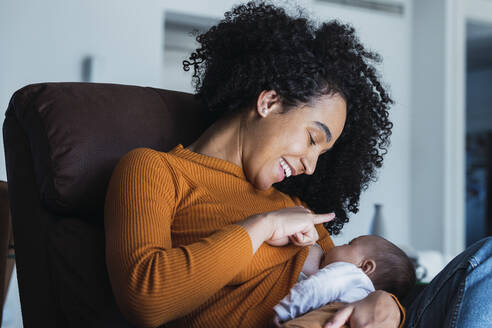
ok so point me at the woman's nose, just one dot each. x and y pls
(310, 164)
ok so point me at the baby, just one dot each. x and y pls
(347, 274)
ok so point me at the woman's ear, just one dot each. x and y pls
(368, 266)
(266, 101)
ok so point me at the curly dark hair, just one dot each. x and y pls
(258, 46)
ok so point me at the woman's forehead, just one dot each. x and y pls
(330, 111)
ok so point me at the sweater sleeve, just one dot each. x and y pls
(154, 282)
(324, 239)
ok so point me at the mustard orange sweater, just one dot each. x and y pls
(173, 252)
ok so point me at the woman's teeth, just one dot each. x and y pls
(285, 166)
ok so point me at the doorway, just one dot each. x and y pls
(478, 131)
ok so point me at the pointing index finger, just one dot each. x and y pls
(322, 218)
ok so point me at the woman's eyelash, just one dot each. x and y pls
(312, 140)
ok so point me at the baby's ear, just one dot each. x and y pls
(368, 266)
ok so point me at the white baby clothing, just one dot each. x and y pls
(337, 282)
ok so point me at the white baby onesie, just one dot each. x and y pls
(337, 282)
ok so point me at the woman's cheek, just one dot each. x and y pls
(297, 147)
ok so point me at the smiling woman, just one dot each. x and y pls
(214, 234)
(258, 48)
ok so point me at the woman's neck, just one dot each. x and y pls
(221, 140)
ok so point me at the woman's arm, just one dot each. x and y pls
(378, 309)
(153, 281)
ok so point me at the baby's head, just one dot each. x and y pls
(388, 267)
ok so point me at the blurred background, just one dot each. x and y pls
(434, 189)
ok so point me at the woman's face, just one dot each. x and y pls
(279, 145)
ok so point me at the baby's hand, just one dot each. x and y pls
(276, 321)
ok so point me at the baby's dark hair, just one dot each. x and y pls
(258, 46)
(394, 272)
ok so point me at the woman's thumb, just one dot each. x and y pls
(340, 318)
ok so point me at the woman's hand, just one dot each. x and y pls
(378, 309)
(295, 224)
(278, 227)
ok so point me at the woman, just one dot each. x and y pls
(198, 236)
(184, 228)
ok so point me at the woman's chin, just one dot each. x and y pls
(265, 182)
(263, 185)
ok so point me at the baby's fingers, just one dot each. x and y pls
(276, 321)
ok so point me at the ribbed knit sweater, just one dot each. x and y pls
(174, 253)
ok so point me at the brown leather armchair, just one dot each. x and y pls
(6, 244)
(62, 141)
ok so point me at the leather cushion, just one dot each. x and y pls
(79, 131)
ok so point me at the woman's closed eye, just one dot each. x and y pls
(311, 139)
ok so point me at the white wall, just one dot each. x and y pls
(427, 127)
(46, 41)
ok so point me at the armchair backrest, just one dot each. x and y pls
(62, 141)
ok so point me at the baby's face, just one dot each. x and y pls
(353, 252)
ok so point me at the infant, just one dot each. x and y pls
(348, 273)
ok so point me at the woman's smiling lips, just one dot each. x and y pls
(282, 171)
(288, 168)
